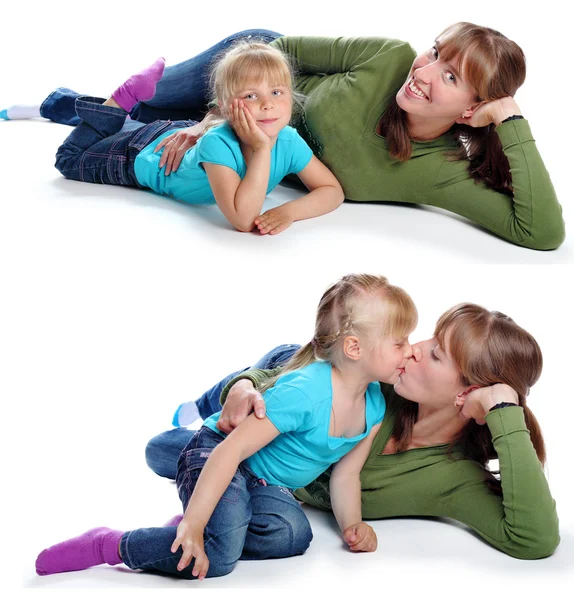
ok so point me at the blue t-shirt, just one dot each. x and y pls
(220, 146)
(299, 405)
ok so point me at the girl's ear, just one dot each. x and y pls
(352, 347)
(461, 396)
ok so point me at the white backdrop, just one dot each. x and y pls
(118, 305)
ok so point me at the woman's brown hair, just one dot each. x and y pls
(496, 67)
(488, 348)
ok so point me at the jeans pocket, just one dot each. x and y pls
(117, 170)
(187, 477)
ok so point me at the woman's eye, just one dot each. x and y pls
(434, 52)
(450, 77)
(433, 355)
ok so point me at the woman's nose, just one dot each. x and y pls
(417, 353)
(408, 350)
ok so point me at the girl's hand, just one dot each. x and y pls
(274, 220)
(479, 401)
(360, 537)
(246, 128)
(190, 538)
(176, 145)
(494, 111)
(241, 401)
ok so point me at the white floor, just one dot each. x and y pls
(117, 305)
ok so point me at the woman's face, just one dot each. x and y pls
(436, 89)
(431, 376)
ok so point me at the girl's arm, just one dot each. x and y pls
(216, 475)
(326, 194)
(240, 200)
(345, 488)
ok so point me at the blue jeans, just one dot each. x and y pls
(182, 93)
(162, 452)
(252, 521)
(103, 147)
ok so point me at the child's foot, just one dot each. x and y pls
(186, 414)
(140, 86)
(95, 547)
(20, 111)
(174, 521)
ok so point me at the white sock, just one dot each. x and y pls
(23, 111)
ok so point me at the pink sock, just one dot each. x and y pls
(140, 86)
(174, 521)
(95, 547)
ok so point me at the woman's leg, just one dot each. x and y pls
(183, 93)
(208, 403)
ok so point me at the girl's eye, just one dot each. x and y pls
(250, 96)
(433, 355)
(277, 92)
(434, 52)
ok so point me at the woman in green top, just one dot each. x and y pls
(430, 457)
(440, 129)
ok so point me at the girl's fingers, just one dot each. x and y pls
(185, 559)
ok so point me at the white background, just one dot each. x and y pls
(117, 305)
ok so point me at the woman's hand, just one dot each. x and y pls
(494, 111)
(190, 538)
(479, 401)
(246, 127)
(242, 399)
(360, 537)
(176, 145)
(275, 220)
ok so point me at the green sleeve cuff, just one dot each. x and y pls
(504, 421)
(514, 132)
(258, 377)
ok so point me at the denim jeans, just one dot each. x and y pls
(252, 521)
(182, 93)
(103, 147)
(163, 451)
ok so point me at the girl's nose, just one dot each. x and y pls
(408, 350)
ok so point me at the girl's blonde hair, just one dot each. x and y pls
(358, 304)
(245, 63)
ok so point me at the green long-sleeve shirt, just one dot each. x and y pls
(428, 482)
(349, 83)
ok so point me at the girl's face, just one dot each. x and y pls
(430, 377)
(388, 359)
(436, 89)
(270, 105)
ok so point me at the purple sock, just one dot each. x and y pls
(140, 86)
(95, 547)
(174, 521)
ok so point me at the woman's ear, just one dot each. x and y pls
(467, 114)
(461, 396)
(352, 347)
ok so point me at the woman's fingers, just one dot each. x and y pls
(163, 142)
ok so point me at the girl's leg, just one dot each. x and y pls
(183, 93)
(279, 528)
(162, 452)
(208, 403)
(96, 151)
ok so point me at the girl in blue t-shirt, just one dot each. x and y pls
(325, 408)
(248, 148)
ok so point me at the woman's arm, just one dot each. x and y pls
(532, 217)
(523, 522)
(216, 475)
(326, 194)
(345, 487)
